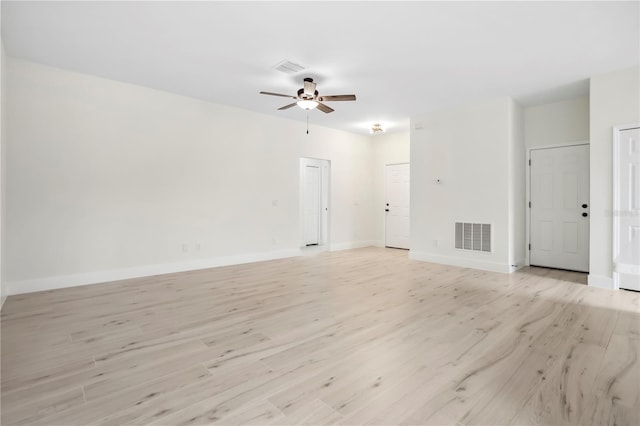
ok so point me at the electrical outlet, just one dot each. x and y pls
(185, 247)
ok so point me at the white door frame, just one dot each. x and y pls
(384, 217)
(528, 190)
(325, 217)
(616, 199)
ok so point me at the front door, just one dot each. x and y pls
(560, 208)
(397, 206)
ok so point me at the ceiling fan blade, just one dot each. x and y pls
(309, 87)
(278, 94)
(288, 106)
(322, 107)
(337, 98)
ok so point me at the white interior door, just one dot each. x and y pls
(324, 201)
(314, 201)
(559, 225)
(311, 205)
(626, 247)
(397, 206)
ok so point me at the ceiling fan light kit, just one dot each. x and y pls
(307, 104)
(377, 129)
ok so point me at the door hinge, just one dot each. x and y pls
(529, 204)
(529, 246)
(529, 161)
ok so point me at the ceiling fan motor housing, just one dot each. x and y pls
(305, 96)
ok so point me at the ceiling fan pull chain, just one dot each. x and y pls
(307, 122)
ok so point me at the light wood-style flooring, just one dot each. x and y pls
(350, 337)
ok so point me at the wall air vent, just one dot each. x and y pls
(473, 236)
(288, 67)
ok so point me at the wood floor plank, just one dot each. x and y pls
(55, 402)
(615, 399)
(138, 395)
(163, 407)
(362, 336)
(262, 413)
(315, 412)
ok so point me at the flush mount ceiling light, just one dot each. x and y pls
(377, 129)
(307, 104)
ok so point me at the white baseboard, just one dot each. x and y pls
(351, 245)
(518, 265)
(600, 281)
(461, 262)
(52, 283)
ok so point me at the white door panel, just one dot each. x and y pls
(324, 205)
(559, 207)
(311, 205)
(397, 177)
(314, 201)
(626, 251)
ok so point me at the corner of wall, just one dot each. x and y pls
(517, 187)
(517, 265)
(3, 168)
(600, 281)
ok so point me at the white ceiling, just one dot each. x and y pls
(399, 58)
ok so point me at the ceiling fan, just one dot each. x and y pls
(308, 98)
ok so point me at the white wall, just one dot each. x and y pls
(614, 101)
(557, 122)
(109, 180)
(387, 149)
(517, 188)
(324, 176)
(3, 168)
(350, 221)
(468, 149)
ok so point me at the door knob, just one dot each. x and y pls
(584, 214)
(584, 206)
